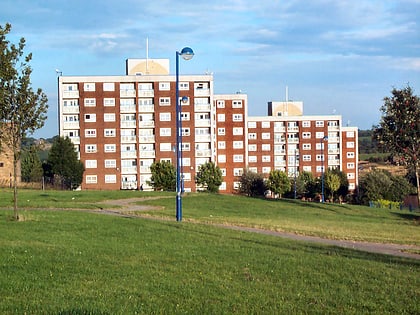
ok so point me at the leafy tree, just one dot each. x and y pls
(22, 110)
(163, 176)
(398, 131)
(31, 166)
(374, 185)
(332, 182)
(252, 184)
(64, 163)
(210, 176)
(278, 182)
(306, 184)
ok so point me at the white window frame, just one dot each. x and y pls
(165, 116)
(91, 148)
(110, 148)
(109, 117)
(110, 132)
(90, 133)
(91, 179)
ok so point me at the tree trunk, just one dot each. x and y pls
(416, 170)
(15, 193)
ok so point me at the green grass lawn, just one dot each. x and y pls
(74, 262)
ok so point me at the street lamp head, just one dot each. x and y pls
(325, 138)
(187, 53)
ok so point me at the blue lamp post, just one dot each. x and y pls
(322, 168)
(187, 54)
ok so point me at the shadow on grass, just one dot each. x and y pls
(81, 312)
(408, 216)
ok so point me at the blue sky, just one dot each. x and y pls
(338, 57)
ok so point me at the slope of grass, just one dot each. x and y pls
(72, 262)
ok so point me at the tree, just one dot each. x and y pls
(210, 176)
(252, 184)
(31, 165)
(64, 163)
(332, 182)
(398, 131)
(163, 176)
(278, 182)
(306, 184)
(374, 185)
(22, 110)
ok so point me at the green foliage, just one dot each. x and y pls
(22, 110)
(332, 182)
(399, 129)
(163, 176)
(64, 163)
(380, 184)
(306, 185)
(278, 182)
(31, 166)
(210, 176)
(252, 184)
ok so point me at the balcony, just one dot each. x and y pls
(128, 154)
(280, 129)
(203, 123)
(279, 152)
(333, 151)
(129, 185)
(279, 163)
(145, 169)
(147, 124)
(293, 129)
(146, 93)
(128, 108)
(70, 109)
(129, 170)
(333, 128)
(293, 140)
(203, 153)
(201, 92)
(146, 108)
(75, 140)
(279, 140)
(334, 139)
(147, 154)
(203, 138)
(128, 124)
(334, 162)
(128, 139)
(127, 93)
(202, 107)
(71, 94)
(147, 139)
(71, 125)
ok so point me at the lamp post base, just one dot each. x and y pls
(178, 207)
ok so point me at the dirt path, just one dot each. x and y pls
(127, 206)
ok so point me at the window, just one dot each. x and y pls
(109, 117)
(220, 104)
(110, 163)
(237, 104)
(221, 158)
(350, 155)
(108, 148)
(90, 133)
(319, 135)
(223, 171)
(164, 101)
(165, 116)
(238, 171)
(266, 147)
(238, 158)
(265, 135)
(109, 132)
(252, 124)
(185, 132)
(165, 147)
(90, 102)
(220, 117)
(89, 87)
(352, 186)
(266, 158)
(185, 146)
(110, 178)
(333, 123)
(351, 176)
(186, 161)
(109, 86)
(91, 163)
(319, 123)
(237, 117)
(91, 179)
(252, 147)
(221, 144)
(145, 86)
(266, 170)
(350, 145)
(164, 86)
(90, 117)
(90, 148)
(184, 86)
(306, 135)
(126, 86)
(165, 132)
(306, 157)
(350, 134)
(252, 136)
(109, 101)
(252, 159)
(265, 124)
(350, 165)
(185, 116)
(238, 144)
(238, 131)
(306, 124)
(307, 168)
(221, 131)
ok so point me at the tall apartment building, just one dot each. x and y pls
(120, 125)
